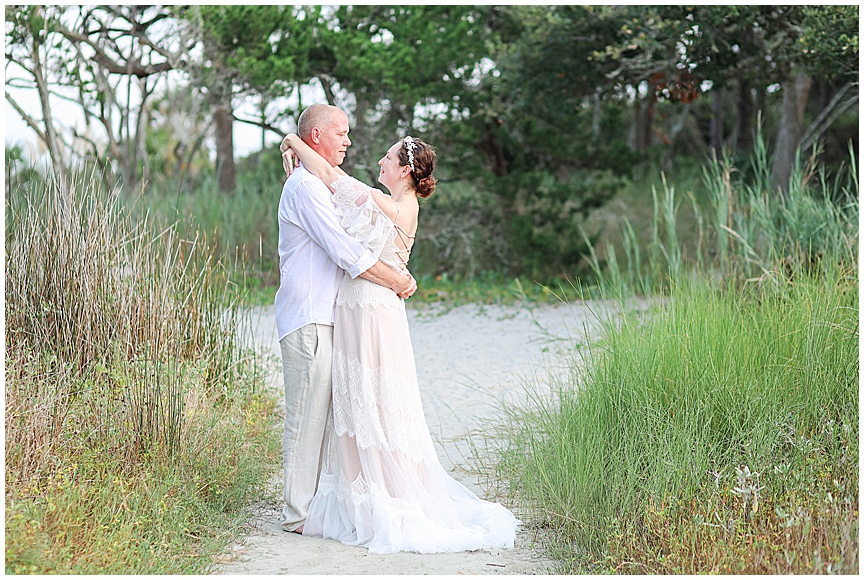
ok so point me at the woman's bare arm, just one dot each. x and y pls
(386, 203)
(328, 174)
(311, 160)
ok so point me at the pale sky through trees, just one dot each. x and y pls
(247, 138)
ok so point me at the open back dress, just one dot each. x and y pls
(382, 486)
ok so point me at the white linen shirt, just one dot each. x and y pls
(314, 254)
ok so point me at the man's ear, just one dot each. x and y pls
(315, 135)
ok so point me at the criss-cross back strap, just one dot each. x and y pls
(402, 235)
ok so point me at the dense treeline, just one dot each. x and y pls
(542, 113)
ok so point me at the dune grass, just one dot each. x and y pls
(137, 425)
(717, 433)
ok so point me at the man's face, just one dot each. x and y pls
(333, 140)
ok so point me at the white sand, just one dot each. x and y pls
(470, 361)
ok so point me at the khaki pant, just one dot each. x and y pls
(307, 357)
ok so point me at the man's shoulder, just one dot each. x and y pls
(304, 178)
(304, 193)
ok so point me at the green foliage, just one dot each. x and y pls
(242, 226)
(829, 40)
(85, 510)
(530, 226)
(262, 47)
(544, 216)
(460, 234)
(720, 43)
(544, 113)
(441, 293)
(745, 229)
(407, 55)
(712, 429)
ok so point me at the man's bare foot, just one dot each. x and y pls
(298, 530)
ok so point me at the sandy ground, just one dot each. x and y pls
(471, 361)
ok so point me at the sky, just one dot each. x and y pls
(247, 138)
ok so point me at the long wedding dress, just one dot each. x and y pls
(384, 487)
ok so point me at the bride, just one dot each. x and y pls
(386, 489)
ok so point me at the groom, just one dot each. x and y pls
(314, 251)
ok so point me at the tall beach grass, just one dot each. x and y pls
(745, 227)
(136, 422)
(717, 433)
(242, 224)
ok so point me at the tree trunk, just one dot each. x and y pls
(492, 151)
(598, 112)
(224, 125)
(643, 114)
(717, 121)
(795, 93)
(839, 104)
(52, 141)
(744, 116)
(361, 158)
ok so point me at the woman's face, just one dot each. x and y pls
(391, 171)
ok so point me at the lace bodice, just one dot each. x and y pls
(366, 222)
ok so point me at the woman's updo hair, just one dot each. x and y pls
(422, 156)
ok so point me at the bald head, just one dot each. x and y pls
(325, 129)
(320, 116)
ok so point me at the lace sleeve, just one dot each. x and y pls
(360, 215)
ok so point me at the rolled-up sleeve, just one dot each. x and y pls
(316, 215)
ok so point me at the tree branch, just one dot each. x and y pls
(132, 67)
(96, 156)
(829, 114)
(263, 124)
(328, 89)
(31, 122)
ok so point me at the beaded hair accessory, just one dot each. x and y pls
(410, 145)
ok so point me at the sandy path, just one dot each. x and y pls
(470, 361)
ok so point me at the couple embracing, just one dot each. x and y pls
(359, 463)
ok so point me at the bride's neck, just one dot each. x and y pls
(404, 191)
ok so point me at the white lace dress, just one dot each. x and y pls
(384, 488)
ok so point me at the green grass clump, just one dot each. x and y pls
(737, 226)
(244, 220)
(91, 513)
(719, 434)
(137, 426)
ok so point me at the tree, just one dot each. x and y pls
(111, 58)
(401, 64)
(547, 76)
(828, 52)
(755, 47)
(533, 135)
(258, 51)
(27, 30)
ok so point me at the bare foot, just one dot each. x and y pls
(298, 530)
